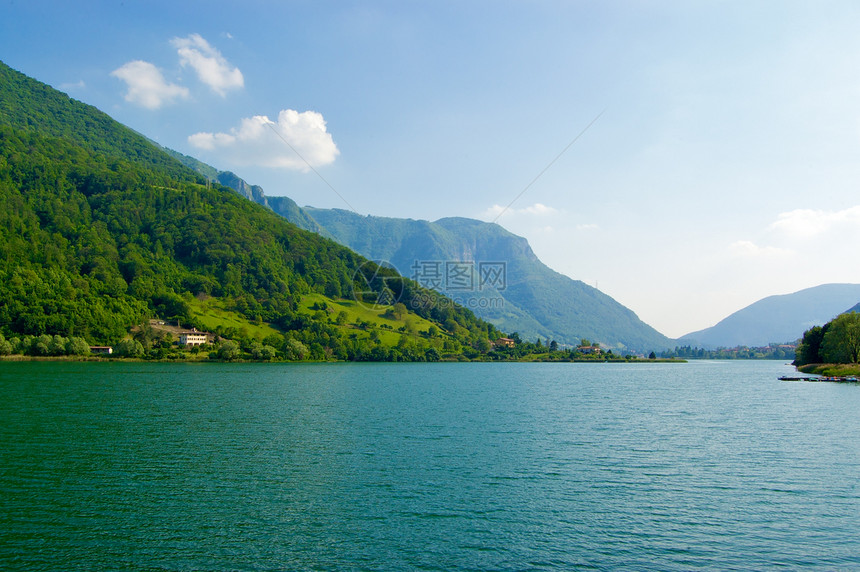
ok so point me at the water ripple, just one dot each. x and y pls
(425, 467)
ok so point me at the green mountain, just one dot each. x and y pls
(781, 318)
(284, 206)
(482, 266)
(531, 298)
(101, 229)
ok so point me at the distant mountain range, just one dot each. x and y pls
(781, 318)
(536, 301)
(480, 265)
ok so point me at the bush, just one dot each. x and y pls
(5, 346)
(77, 347)
(229, 350)
(262, 353)
(295, 350)
(129, 348)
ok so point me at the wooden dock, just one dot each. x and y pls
(835, 379)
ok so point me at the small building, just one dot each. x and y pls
(193, 338)
(505, 343)
(588, 350)
(104, 350)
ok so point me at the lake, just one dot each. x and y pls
(425, 467)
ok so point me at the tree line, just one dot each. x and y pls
(837, 341)
(772, 351)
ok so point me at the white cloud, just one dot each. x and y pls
(748, 249)
(72, 86)
(537, 209)
(147, 86)
(540, 210)
(210, 65)
(807, 223)
(255, 142)
(587, 227)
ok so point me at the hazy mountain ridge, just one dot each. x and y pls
(781, 318)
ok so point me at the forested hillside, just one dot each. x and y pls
(100, 229)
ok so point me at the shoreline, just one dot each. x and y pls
(831, 369)
(97, 358)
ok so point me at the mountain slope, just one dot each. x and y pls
(532, 299)
(535, 299)
(401, 243)
(284, 206)
(99, 229)
(781, 318)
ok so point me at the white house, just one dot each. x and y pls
(193, 338)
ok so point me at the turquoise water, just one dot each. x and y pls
(425, 467)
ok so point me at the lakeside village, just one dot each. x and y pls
(161, 340)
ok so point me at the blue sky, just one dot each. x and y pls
(725, 166)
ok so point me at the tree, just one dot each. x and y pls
(5, 346)
(809, 350)
(40, 346)
(77, 347)
(129, 348)
(295, 350)
(144, 334)
(399, 310)
(57, 347)
(261, 352)
(841, 343)
(229, 350)
(652, 355)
